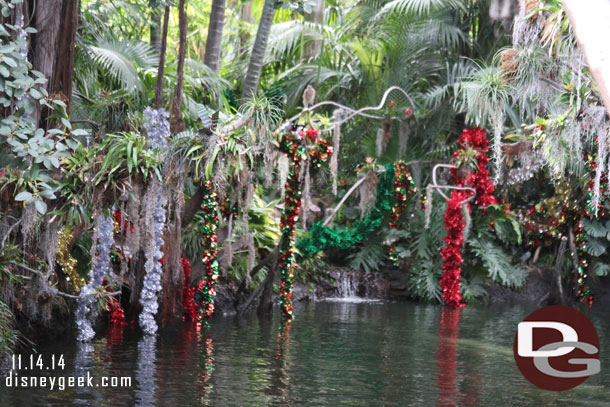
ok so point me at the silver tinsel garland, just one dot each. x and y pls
(156, 124)
(86, 310)
(151, 285)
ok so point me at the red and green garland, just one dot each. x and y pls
(296, 149)
(404, 186)
(478, 178)
(210, 253)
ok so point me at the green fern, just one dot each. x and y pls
(497, 263)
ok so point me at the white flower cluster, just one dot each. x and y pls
(152, 280)
(86, 310)
(156, 124)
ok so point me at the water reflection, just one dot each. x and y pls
(446, 357)
(332, 354)
(205, 350)
(281, 376)
(145, 373)
(83, 362)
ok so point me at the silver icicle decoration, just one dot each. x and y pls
(86, 310)
(151, 285)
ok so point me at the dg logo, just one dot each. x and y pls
(556, 348)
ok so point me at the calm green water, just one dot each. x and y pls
(334, 354)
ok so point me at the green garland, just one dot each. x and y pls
(323, 238)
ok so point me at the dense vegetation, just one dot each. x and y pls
(83, 139)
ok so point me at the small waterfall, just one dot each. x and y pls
(351, 286)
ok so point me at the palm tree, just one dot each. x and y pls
(177, 123)
(258, 50)
(214, 40)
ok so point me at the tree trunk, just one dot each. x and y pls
(160, 72)
(155, 29)
(258, 50)
(313, 48)
(245, 14)
(591, 23)
(53, 48)
(214, 41)
(176, 122)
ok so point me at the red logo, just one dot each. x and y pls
(556, 348)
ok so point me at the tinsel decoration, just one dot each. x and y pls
(598, 181)
(404, 186)
(66, 261)
(151, 285)
(294, 148)
(116, 313)
(292, 205)
(454, 219)
(452, 252)
(188, 293)
(323, 237)
(156, 124)
(210, 253)
(583, 291)
(86, 310)
(479, 179)
(123, 225)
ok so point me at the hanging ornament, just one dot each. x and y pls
(210, 253)
(404, 186)
(86, 311)
(151, 285)
(67, 262)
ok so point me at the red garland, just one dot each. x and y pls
(116, 314)
(479, 179)
(454, 218)
(123, 222)
(188, 293)
(452, 252)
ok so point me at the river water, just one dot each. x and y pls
(333, 354)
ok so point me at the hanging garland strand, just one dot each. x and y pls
(551, 218)
(210, 253)
(67, 262)
(477, 178)
(452, 252)
(323, 238)
(292, 205)
(404, 186)
(294, 148)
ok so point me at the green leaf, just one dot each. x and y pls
(41, 206)
(601, 269)
(23, 196)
